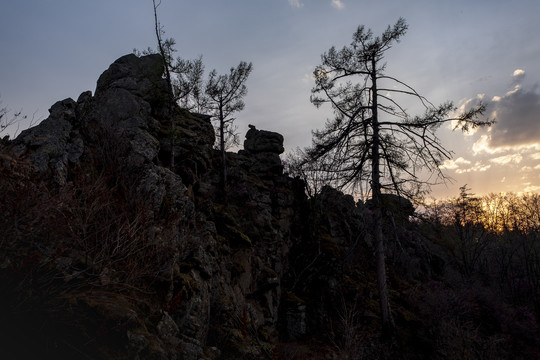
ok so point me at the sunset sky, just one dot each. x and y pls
(460, 50)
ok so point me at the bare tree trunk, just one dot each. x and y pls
(386, 314)
(168, 78)
(222, 149)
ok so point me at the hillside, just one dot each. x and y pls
(109, 253)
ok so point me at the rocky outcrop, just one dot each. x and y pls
(262, 141)
(115, 139)
(187, 274)
(109, 252)
(262, 148)
(54, 143)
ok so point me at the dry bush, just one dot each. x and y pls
(462, 340)
(346, 331)
(60, 244)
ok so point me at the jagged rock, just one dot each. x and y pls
(214, 258)
(121, 108)
(141, 76)
(262, 149)
(54, 142)
(259, 141)
(205, 279)
(193, 146)
(341, 214)
(109, 252)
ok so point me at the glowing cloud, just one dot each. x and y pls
(518, 74)
(517, 117)
(506, 159)
(483, 145)
(454, 164)
(478, 167)
(466, 105)
(531, 188)
(461, 166)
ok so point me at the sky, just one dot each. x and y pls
(462, 50)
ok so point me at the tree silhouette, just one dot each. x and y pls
(184, 78)
(220, 96)
(165, 48)
(372, 139)
(225, 97)
(188, 84)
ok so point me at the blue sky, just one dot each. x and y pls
(454, 50)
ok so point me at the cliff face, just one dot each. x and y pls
(110, 253)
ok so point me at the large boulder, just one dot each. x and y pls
(142, 76)
(260, 141)
(263, 148)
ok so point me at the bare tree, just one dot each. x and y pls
(315, 175)
(166, 50)
(225, 97)
(372, 137)
(7, 120)
(220, 96)
(471, 230)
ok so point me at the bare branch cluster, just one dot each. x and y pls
(368, 109)
(7, 120)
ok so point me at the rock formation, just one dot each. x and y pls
(109, 253)
(216, 281)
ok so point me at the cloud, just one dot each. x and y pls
(517, 116)
(454, 164)
(465, 106)
(535, 156)
(477, 167)
(483, 145)
(518, 75)
(296, 3)
(461, 166)
(507, 159)
(338, 4)
(531, 188)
